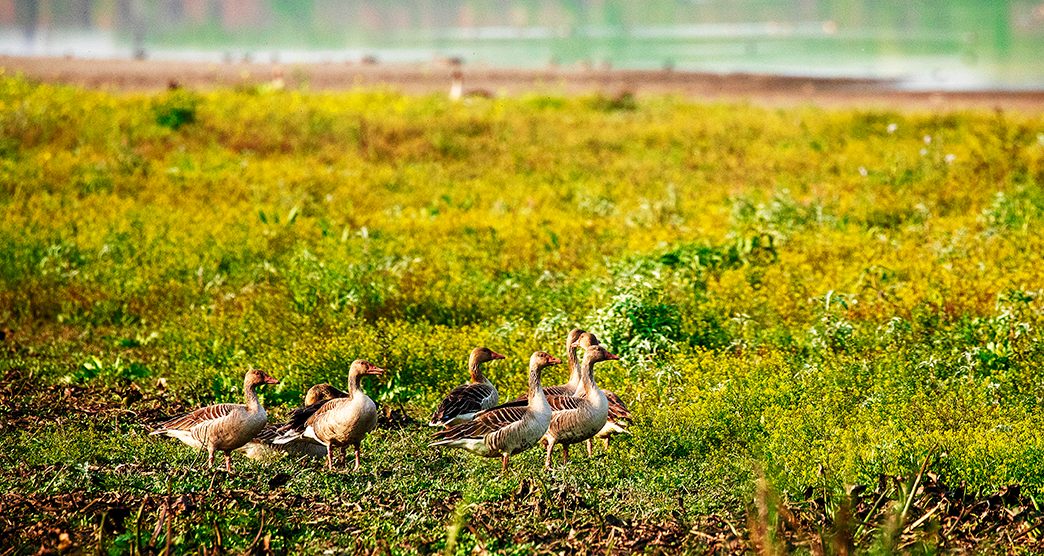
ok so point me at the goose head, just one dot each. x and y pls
(585, 340)
(542, 359)
(255, 377)
(483, 355)
(362, 367)
(598, 353)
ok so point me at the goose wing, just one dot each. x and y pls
(299, 418)
(557, 403)
(295, 422)
(269, 433)
(564, 403)
(488, 421)
(617, 409)
(190, 420)
(464, 400)
(303, 418)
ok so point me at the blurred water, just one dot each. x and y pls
(932, 44)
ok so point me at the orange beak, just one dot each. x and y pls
(271, 380)
(554, 361)
(375, 370)
(611, 357)
(496, 355)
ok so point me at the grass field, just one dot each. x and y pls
(804, 300)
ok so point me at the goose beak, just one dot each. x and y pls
(496, 355)
(271, 380)
(375, 370)
(611, 357)
(554, 360)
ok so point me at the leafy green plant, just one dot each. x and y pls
(175, 110)
(96, 370)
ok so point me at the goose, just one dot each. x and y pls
(506, 431)
(464, 401)
(457, 90)
(569, 388)
(262, 448)
(222, 427)
(338, 422)
(577, 418)
(619, 415)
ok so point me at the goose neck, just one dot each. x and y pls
(250, 394)
(475, 369)
(574, 367)
(536, 396)
(354, 383)
(587, 382)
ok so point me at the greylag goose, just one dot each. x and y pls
(339, 422)
(505, 431)
(569, 388)
(262, 448)
(577, 418)
(223, 427)
(464, 401)
(619, 415)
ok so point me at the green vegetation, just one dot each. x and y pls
(816, 297)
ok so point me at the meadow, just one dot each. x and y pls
(806, 301)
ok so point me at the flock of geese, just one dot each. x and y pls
(468, 418)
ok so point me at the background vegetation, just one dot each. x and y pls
(815, 297)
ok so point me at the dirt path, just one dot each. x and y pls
(434, 78)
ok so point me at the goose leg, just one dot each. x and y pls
(504, 464)
(547, 460)
(344, 455)
(228, 462)
(210, 457)
(565, 454)
(329, 457)
(590, 449)
(358, 453)
(606, 440)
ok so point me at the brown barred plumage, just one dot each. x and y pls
(187, 421)
(484, 423)
(464, 401)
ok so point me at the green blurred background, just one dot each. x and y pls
(927, 44)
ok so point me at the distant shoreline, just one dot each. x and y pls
(769, 90)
